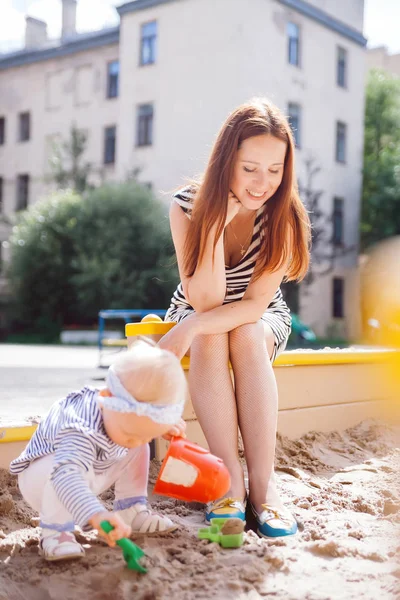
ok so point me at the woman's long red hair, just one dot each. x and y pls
(283, 210)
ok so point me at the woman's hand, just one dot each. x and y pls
(121, 529)
(177, 430)
(179, 339)
(234, 205)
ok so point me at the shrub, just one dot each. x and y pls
(72, 256)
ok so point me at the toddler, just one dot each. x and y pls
(94, 439)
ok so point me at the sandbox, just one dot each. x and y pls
(343, 488)
(340, 478)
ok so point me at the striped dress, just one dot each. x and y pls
(277, 314)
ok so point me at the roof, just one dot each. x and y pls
(301, 6)
(55, 49)
(321, 17)
(140, 5)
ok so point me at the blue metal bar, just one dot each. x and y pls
(127, 314)
(101, 331)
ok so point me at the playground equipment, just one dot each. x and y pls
(125, 315)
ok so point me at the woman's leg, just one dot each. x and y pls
(213, 400)
(251, 346)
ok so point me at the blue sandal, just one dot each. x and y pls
(226, 508)
(274, 522)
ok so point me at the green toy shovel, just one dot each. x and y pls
(131, 553)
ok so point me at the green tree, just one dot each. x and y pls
(68, 168)
(70, 258)
(380, 216)
(127, 259)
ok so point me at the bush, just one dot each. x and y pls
(72, 256)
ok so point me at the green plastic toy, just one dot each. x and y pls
(215, 534)
(131, 553)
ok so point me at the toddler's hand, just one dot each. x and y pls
(121, 530)
(177, 430)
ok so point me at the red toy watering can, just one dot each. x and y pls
(191, 473)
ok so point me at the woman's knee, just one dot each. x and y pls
(247, 337)
(210, 346)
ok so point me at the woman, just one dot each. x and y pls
(237, 235)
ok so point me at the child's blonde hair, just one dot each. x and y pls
(151, 375)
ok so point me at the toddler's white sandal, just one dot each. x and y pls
(60, 546)
(143, 521)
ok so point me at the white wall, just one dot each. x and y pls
(57, 93)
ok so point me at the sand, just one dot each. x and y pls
(344, 489)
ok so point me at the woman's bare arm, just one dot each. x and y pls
(248, 310)
(222, 319)
(206, 289)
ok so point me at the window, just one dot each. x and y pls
(24, 126)
(341, 135)
(109, 145)
(338, 221)
(148, 43)
(342, 67)
(2, 131)
(55, 88)
(22, 192)
(1, 195)
(145, 125)
(83, 85)
(294, 113)
(293, 33)
(113, 79)
(338, 297)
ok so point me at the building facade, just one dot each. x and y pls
(153, 93)
(379, 58)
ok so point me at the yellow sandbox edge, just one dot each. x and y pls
(335, 357)
(20, 433)
(319, 357)
(289, 358)
(148, 328)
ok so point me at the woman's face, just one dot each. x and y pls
(258, 170)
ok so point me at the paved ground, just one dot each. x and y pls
(33, 377)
